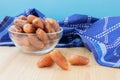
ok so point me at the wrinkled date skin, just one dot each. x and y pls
(42, 35)
(28, 28)
(30, 18)
(59, 59)
(78, 60)
(38, 23)
(34, 41)
(45, 61)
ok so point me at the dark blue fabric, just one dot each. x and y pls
(70, 24)
(100, 36)
(33, 12)
(4, 37)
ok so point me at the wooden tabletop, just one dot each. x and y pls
(15, 65)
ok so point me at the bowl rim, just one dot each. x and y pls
(61, 30)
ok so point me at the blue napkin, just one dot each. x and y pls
(70, 24)
(103, 39)
(100, 36)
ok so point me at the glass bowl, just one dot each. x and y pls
(30, 43)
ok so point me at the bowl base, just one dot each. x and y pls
(42, 52)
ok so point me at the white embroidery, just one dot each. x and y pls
(77, 25)
(66, 21)
(92, 39)
(116, 43)
(27, 11)
(104, 28)
(107, 31)
(89, 19)
(4, 32)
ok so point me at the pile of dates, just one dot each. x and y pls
(34, 33)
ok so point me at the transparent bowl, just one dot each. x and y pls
(30, 43)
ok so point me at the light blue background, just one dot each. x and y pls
(59, 9)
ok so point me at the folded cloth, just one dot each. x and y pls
(70, 24)
(103, 39)
(4, 36)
